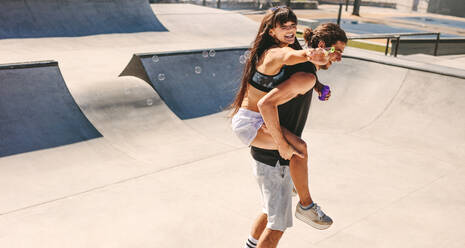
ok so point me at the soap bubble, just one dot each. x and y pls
(247, 54)
(205, 54)
(198, 69)
(242, 59)
(155, 58)
(212, 53)
(161, 77)
(149, 102)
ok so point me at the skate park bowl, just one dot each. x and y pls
(386, 150)
(215, 71)
(70, 18)
(37, 110)
(393, 126)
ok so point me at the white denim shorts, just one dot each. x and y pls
(275, 185)
(245, 124)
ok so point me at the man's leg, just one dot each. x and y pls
(275, 185)
(259, 226)
(266, 237)
(269, 238)
(257, 229)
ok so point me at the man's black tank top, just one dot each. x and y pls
(292, 115)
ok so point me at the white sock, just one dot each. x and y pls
(251, 242)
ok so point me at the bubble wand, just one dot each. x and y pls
(329, 50)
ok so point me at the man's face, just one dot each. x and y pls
(336, 56)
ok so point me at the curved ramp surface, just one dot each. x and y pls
(70, 18)
(371, 167)
(196, 20)
(192, 83)
(413, 109)
(37, 111)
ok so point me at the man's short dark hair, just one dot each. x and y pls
(329, 33)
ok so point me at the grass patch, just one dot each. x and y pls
(368, 46)
(359, 44)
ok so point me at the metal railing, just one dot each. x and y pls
(397, 36)
(388, 37)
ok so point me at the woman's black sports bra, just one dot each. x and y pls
(266, 83)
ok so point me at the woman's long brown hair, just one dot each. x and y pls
(263, 41)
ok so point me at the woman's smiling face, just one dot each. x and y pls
(285, 33)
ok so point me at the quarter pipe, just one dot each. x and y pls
(191, 83)
(37, 110)
(70, 18)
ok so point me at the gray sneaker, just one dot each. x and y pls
(313, 216)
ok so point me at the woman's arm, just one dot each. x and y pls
(290, 56)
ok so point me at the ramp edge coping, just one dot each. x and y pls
(436, 69)
(193, 51)
(32, 64)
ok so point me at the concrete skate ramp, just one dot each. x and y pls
(70, 18)
(37, 110)
(405, 106)
(192, 83)
(196, 20)
(386, 149)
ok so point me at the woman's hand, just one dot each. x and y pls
(286, 151)
(318, 56)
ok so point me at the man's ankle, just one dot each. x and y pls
(251, 242)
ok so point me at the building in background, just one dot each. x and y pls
(447, 7)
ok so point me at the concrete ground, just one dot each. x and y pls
(386, 151)
(374, 15)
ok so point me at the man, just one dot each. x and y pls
(270, 169)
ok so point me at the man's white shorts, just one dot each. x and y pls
(275, 185)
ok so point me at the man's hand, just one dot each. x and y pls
(286, 151)
(318, 88)
(327, 96)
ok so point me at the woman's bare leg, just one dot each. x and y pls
(298, 166)
(264, 139)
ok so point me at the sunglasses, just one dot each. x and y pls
(273, 9)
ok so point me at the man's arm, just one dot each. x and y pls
(298, 83)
